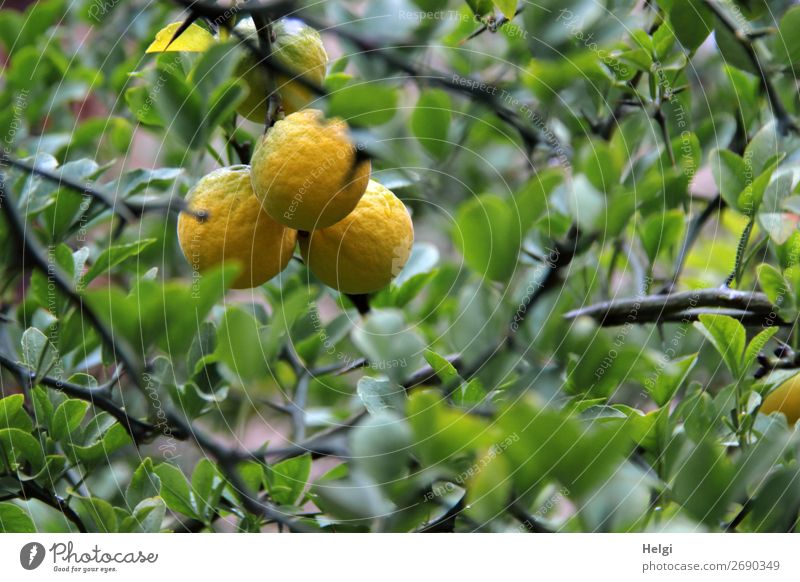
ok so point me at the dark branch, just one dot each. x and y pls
(140, 431)
(785, 121)
(751, 307)
(127, 210)
(693, 232)
(502, 21)
(31, 490)
(34, 251)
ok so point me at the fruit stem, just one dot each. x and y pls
(265, 38)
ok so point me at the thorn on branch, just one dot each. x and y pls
(496, 25)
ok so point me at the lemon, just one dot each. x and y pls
(306, 172)
(366, 250)
(786, 399)
(236, 229)
(299, 48)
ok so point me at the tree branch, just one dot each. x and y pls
(751, 307)
(692, 234)
(785, 121)
(228, 459)
(31, 490)
(127, 210)
(139, 431)
(33, 250)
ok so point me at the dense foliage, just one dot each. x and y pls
(601, 294)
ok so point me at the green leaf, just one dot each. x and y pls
(730, 174)
(775, 507)
(756, 345)
(507, 7)
(112, 438)
(480, 7)
(214, 67)
(532, 198)
(223, 102)
(445, 371)
(17, 447)
(671, 379)
(98, 515)
(146, 517)
(42, 406)
(774, 285)
(580, 458)
(144, 483)
(469, 393)
(380, 394)
(731, 48)
(727, 336)
(787, 43)
(207, 487)
(135, 181)
(430, 122)
(115, 255)
(287, 480)
(381, 446)
(67, 418)
(488, 234)
(241, 345)
(14, 519)
(702, 481)
(601, 165)
(692, 22)
(182, 109)
(38, 353)
(10, 406)
(661, 232)
(364, 104)
(489, 489)
(175, 490)
(762, 148)
(389, 343)
(749, 200)
(141, 103)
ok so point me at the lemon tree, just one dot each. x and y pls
(419, 265)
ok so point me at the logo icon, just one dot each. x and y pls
(31, 555)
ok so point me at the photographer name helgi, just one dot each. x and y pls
(67, 559)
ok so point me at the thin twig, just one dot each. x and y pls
(31, 490)
(228, 460)
(692, 234)
(140, 431)
(785, 121)
(498, 24)
(127, 210)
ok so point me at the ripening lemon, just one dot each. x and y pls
(306, 171)
(366, 250)
(786, 399)
(299, 48)
(237, 229)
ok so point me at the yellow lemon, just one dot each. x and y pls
(236, 229)
(366, 250)
(298, 47)
(786, 399)
(306, 171)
